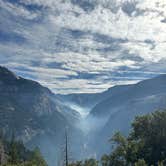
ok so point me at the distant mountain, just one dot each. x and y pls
(123, 94)
(33, 112)
(82, 99)
(90, 100)
(126, 102)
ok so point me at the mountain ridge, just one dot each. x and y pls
(33, 113)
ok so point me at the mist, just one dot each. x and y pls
(83, 111)
(81, 139)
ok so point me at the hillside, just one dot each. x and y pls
(33, 112)
(114, 109)
(119, 110)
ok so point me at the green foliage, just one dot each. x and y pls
(77, 163)
(88, 162)
(91, 162)
(117, 157)
(37, 159)
(140, 163)
(13, 151)
(18, 155)
(2, 154)
(146, 141)
(105, 160)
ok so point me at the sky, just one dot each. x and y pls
(83, 46)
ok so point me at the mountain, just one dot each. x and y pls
(33, 112)
(114, 109)
(87, 101)
(124, 104)
(28, 103)
(123, 94)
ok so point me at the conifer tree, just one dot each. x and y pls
(13, 151)
(2, 154)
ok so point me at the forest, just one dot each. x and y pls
(14, 153)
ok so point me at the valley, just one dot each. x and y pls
(40, 117)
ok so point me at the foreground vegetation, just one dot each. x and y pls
(14, 153)
(144, 146)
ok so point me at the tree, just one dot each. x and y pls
(105, 160)
(88, 162)
(3, 156)
(37, 159)
(118, 156)
(91, 162)
(145, 143)
(13, 152)
(77, 163)
(140, 163)
(150, 130)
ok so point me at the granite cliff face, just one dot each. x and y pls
(23, 105)
(33, 112)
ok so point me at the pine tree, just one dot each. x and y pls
(37, 159)
(2, 154)
(13, 151)
(140, 163)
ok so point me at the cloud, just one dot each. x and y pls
(17, 10)
(85, 45)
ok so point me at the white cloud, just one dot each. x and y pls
(133, 41)
(18, 10)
